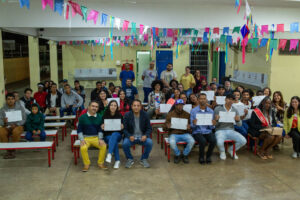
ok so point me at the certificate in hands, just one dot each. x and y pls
(227, 117)
(13, 116)
(112, 124)
(204, 119)
(179, 123)
(220, 100)
(210, 95)
(187, 108)
(240, 108)
(257, 100)
(164, 108)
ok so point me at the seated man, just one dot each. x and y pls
(90, 134)
(10, 126)
(203, 133)
(40, 97)
(70, 101)
(53, 100)
(130, 91)
(27, 100)
(137, 130)
(179, 135)
(225, 131)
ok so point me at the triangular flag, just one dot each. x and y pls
(293, 44)
(93, 15)
(75, 8)
(263, 42)
(84, 13)
(164, 32)
(216, 30)
(264, 29)
(24, 3)
(104, 19)
(133, 28)
(294, 27)
(225, 30)
(45, 2)
(280, 28)
(274, 44)
(170, 33)
(207, 29)
(229, 39)
(59, 6)
(118, 23)
(157, 31)
(282, 44)
(223, 39)
(125, 25)
(145, 29)
(141, 29)
(236, 29)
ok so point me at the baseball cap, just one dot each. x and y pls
(179, 101)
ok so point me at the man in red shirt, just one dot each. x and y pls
(40, 97)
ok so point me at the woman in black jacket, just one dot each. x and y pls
(112, 138)
(264, 117)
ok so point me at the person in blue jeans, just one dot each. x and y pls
(126, 74)
(137, 130)
(35, 124)
(112, 137)
(70, 101)
(179, 134)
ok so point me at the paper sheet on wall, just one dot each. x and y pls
(209, 95)
(112, 124)
(179, 123)
(116, 99)
(165, 108)
(187, 108)
(240, 108)
(204, 119)
(257, 100)
(14, 116)
(227, 117)
(220, 100)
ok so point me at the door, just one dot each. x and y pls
(143, 59)
(162, 60)
(222, 69)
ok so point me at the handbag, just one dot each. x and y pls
(273, 130)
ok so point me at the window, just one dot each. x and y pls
(199, 59)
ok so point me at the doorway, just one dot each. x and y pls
(143, 59)
(163, 58)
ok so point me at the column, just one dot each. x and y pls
(53, 61)
(2, 84)
(34, 62)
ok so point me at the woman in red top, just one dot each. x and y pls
(124, 103)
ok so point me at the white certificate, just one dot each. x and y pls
(164, 108)
(116, 99)
(240, 108)
(248, 116)
(210, 95)
(13, 116)
(204, 119)
(257, 100)
(112, 124)
(227, 117)
(187, 108)
(179, 123)
(220, 100)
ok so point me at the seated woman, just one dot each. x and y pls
(155, 98)
(291, 124)
(174, 97)
(264, 117)
(204, 86)
(116, 92)
(173, 85)
(124, 103)
(279, 106)
(112, 138)
(194, 100)
(184, 98)
(102, 101)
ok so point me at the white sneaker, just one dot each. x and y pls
(235, 156)
(117, 164)
(222, 155)
(108, 158)
(295, 155)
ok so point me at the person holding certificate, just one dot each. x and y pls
(226, 116)
(202, 125)
(178, 127)
(243, 111)
(112, 126)
(12, 119)
(155, 98)
(137, 130)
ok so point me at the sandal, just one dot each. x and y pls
(262, 156)
(269, 156)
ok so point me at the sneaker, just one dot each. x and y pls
(295, 155)
(85, 168)
(129, 163)
(177, 159)
(108, 158)
(223, 156)
(235, 156)
(145, 163)
(185, 159)
(117, 164)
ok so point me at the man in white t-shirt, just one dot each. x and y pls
(167, 75)
(149, 75)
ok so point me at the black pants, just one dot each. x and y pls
(295, 135)
(202, 139)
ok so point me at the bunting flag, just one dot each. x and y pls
(274, 44)
(264, 42)
(93, 15)
(238, 4)
(164, 32)
(293, 44)
(229, 39)
(248, 9)
(245, 31)
(236, 29)
(75, 9)
(207, 29)
(157, 31)
(170, 33)
(216, 30)
(294, 27)
(223, 39)
(59, 6)
(84, 13)
(133, 28)
(225, 30)
(66, 11)
(104, 19)
(264, 29)
(282, 44)
(244, 44)
(280, 28)
(145, 30)
(47, 2)
(141, 29)
(24, 3)
(118, 23)
(125, 25)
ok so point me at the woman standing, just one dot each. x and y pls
(188, 81)
(198, 80)
(124, 103)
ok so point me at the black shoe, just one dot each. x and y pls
(201, 161)
(176, 159)
(185, 159)
(208, 160)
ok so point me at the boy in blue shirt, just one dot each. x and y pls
(130, 91)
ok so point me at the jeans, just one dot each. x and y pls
(112, 141)
(223, 135)
(242, 129)
(127, 144)
(29, 134)
(202, 139)
(295, 135)
(146, 93)
(188, 92)
(174, 138)
(70, 111)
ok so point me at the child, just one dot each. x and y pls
(35, 123)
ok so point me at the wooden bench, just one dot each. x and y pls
(256, 141)
(61, 125)
(30, 145)
(49, 133)
(55, 118)
(157, 121)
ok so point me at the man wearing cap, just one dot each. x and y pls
(149, 75)
(179, 135)
(225, 130)
(40, 97)
(126, 74)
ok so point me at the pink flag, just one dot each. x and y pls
(280, 28)
(45, 2)
(293, 44)
(125, 25)
(157, 32)
(216, 30)
(75, 9)
(282, 44)
(146, 37)
(207, 30)
(170, 33)
(67, 12)
(141, 29)
(264, 29)
(93, 15)
(244, 44)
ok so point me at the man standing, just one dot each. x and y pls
(203, 133)
(90, 134)
(11, 126)
(130, 91)
(149, 75)
(126, 74)
(53, 100)
(225, 130)
(95, 93)
(70, 101)
(179, 135)
(40, 97)
(137, 130)
(167, 75)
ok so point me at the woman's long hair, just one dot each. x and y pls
(290, 110)
(101, 105)
(126, 100)
(107, 112)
